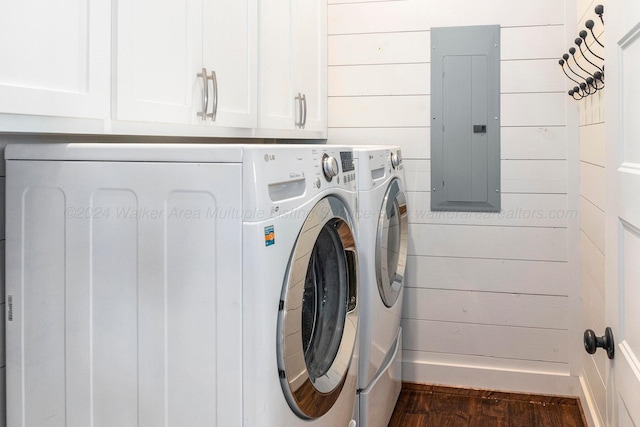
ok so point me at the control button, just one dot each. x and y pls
(318, 183)
(395, 160)
(329, 167)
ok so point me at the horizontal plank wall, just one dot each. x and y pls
(592, 229)
(488, 300)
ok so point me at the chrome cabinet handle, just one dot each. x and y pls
(214, 110)
(304, 117)
(205, 93)
(298, 99)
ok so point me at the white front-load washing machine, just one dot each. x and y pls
(181, 285)
(383, 238)
(300, 292)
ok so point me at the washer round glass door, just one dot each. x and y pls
(318, 315)
(391, 243)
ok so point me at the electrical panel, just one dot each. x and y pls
(465, 119)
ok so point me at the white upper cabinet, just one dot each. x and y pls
(277, 109)
(55, 58)
(237, 68)
(310, 60)
(230, 50)
(292, 71)
(186, 62)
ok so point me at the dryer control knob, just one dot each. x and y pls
(329, 167)
(395, 160)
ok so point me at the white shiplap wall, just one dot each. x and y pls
(592, 227)
(489, 297)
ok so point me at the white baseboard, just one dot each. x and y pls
(589, 406)
(491, 378)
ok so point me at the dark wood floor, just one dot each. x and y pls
(427, 405)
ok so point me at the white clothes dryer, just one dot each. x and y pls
(181, 284)
(383, 237)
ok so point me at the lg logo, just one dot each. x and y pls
(268, 157)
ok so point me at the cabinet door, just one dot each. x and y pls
(310, 59)
(230, 50)
(276, 98)
(55, 58)
(120, 311)
(159, 54)
(293, 62)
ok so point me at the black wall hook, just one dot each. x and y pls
(589, 82)
(561, 62)
(578, 43)
(572, 51)
(599, 10)
(575, 91)
(583, 36)
(585, 86)
(566, 59)
(590, 24)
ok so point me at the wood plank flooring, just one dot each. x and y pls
(423, 405)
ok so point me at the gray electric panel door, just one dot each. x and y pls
(465, 125)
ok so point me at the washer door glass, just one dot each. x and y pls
(323, 302)
(318, 315)
(391, 243)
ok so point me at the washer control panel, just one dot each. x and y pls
(276, 178)
(336, 164)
